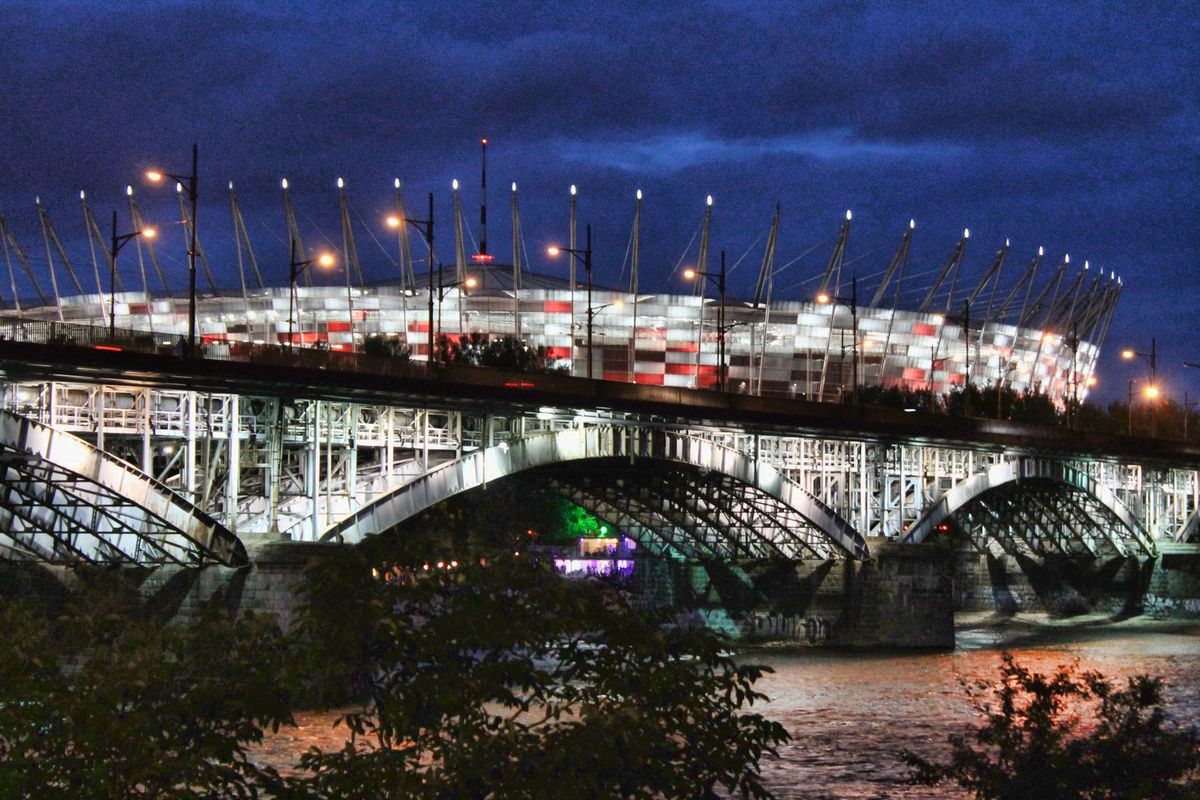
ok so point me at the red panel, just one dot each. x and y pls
(708, 382)
(681, 347)
(556, 307)
(622, 377)
(681, 369)
(209, 338)
(419, 327)
(708, 369)
(558, 352)
(921, 329)
(914, 374)
(138, 308)
(338, 327)
(648, 379)
(651, 333)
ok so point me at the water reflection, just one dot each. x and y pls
(850, 713)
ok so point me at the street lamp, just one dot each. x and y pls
(442, 288)
(585, 256)
(297, 269)
(425, 226)
(722, 329)
(117, 243)
(823, 299)
(189, 181)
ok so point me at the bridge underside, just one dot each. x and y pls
(1036, 517)
(63, 501)
(688, 512)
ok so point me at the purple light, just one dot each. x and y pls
(594, 566)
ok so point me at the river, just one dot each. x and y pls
(849, 713)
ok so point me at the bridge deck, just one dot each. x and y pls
(348, 377)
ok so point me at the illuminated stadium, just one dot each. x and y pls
(1036, 326)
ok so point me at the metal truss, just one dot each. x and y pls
(717, 516)
(64, 501)
(307, 468)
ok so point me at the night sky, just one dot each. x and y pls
(1074, 129)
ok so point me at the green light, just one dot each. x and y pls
(603, 530)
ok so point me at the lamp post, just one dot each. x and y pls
(190, 182)
(1151, 391)
(852, 301)
(425, 226)
(296, 270)
(117, 243)
(691, 274)
(442, 288)
(584, 255)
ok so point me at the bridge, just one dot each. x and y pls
(117, 451)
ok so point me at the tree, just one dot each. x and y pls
(496, 677)
(105, 701)
(506, 352)
(1069, 736)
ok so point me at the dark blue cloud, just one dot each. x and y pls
(1071, 127)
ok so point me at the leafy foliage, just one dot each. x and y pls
(496, 677)
(506, 352)
(1069, 736)
(386, 347)
(102, 702)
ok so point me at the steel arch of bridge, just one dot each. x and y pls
(591, 442)
(1032, 506)
(64, 501)
(698, 514)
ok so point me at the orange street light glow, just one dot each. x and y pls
(822, 298)
(149, 233)
(1127, 354)
(690, 274)
(1091, 381)
(470, 282)
(325, 260)
(552, 250)
(393, 222)
(153, 175)
(1152, 392)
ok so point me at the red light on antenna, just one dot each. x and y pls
(483, 257)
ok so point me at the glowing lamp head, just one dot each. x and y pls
(149, 233)
(396, 182)
(341, 184)
(1151, 392)
(514, 186)
(325, 260)
(483, 140)
(128, 190)
(154, 176)
(1091, 381)
(231, 186)
(708, 200)
(966, 233)
(618, 304)
(393, 221)
(938, 319)
(1041, 252)
(1048, 337)
(82, 194)
(572, 190)
(178, 188)
(552, 250)
(912, 224)
(690, 274)
(284, 184)
(849, 216)
(1007, 244)
(639, 194)
(1067, 258)
(1127, 354)
(823, 298)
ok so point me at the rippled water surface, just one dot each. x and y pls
(850, 713)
